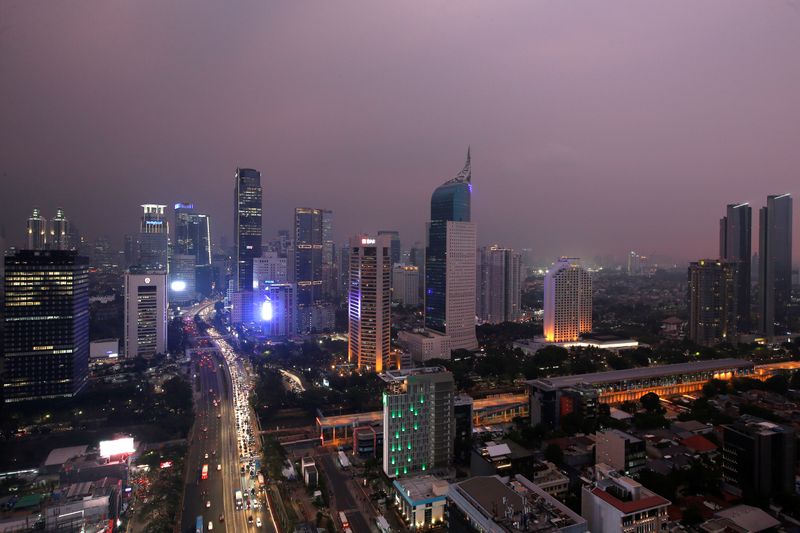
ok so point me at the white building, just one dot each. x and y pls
(405, 285)
(567, 301)
(145, 314)
(370, 302)
(498, 285)
(270, 267)
(421, 501)
(104, 349)
(426, 345)
(617, 503)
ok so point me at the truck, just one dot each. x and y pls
(343, 461)
(238, 497)
(198, 525)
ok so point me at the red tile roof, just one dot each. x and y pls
(632, 506)
(699, 443)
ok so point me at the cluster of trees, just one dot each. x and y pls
(160, 510)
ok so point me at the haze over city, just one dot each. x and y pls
(596, 127)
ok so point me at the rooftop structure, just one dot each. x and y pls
(617, 503)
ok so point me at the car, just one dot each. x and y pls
(208, 504)
(219, 467)
(206, 456)
(258, 521)
(221, 518)
(249, 519)
(211, 526)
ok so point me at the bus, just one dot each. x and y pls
(343, 461)
(198, 525)
(238, 497)
(343, 520)
(204, 472)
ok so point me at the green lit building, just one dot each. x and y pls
(418, 421)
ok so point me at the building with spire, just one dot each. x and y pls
(59, 231)
(450, 262)
(37, 231)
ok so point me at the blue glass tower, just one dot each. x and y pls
(450, 202)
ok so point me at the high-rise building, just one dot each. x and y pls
(145, 313)
(418, 421)
(567, 301)
(277, 310)
(37, 231)
(758, 457)
(182, 279)
(712, 302)
(330, 284)
(775, 264)
(192, 234)
(153, 238)
(395, 244)
(450, 262)
(59, 231)
(637, 264)
(46, 338)
(498, 285)
(269, 268)
(308, 267)
(247, 208)
(735, 248)
(130, 250)
(405, 285)
(369, 303)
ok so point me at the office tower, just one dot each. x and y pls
(526, 262)
(343, 267)
(418, 421)
(498, 285)
(192, 234)
(735, 249)
(182, 279)
(621, 451)
(462, 423)
(277, 309)
(246, 226)
(369, 303)
(37, 231)
(405, 285)
(307, 268)
(450, 262)
(59, 231)
(153, 238)
(637, 264)
(775, 267)
(758, 458)
(618, 503)
(329, 271)
(145, 313)
(46, 339)
(567, 301)
(269, 268)
(130, 250)
(395, 244)
(712, 302)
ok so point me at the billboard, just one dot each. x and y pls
(109, 448)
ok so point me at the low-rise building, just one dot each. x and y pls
(421, 500)
(426, 345)
(615, 503)
(621, 451)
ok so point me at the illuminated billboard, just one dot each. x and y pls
(110, 448)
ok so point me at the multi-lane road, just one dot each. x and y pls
(223, 440)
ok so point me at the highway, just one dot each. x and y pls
(224, 425)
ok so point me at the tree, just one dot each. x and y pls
(691, 516)
(777, 384)
(554, 454)
(651, 402)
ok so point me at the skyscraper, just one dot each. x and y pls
(418, 421)
(498, 290)
(567, 301)
(775, 264)
(182, 279)
(450, 262)
(192, 234)
(329, 270)
(46, 341)
(735, 248)
(395, 244)
(405, 285)
(247, 208)
(37, 231)
(311, 265)
(153, 238)
(370, 302)
(712, 302)
(145, 313)
(59, 231)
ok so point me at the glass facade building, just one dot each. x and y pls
(247, 208)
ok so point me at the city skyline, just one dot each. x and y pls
(728, 138)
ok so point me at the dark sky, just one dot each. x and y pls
(596, 127)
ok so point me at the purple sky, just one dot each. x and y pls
(596, 127)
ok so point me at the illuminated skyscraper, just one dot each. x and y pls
(567, 301)
(418, 421)
(498, 291)
(59, 231)
(450, 262)
(37, 231)
(311, 265)
(712, 302)
(775, 264)
(247, 208)
(192, 234)
(735, 248)
(46, 341)
(153, 239)
(370, 302)
(145, 313)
